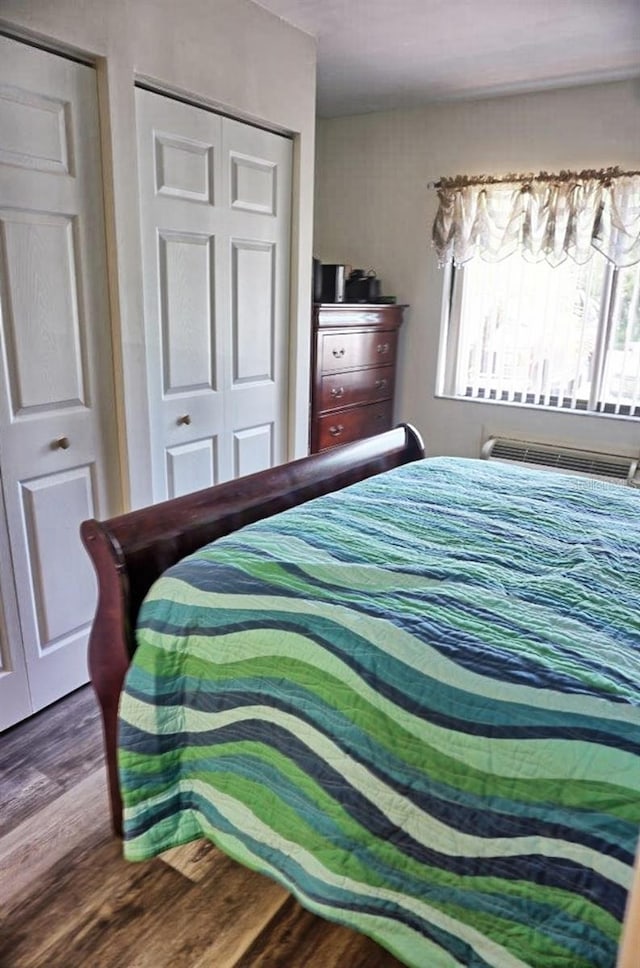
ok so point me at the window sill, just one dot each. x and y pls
(537, 408)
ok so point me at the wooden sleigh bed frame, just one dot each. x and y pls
(130, 551)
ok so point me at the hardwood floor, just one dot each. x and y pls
(68, 899)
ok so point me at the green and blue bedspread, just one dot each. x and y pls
(416, 704)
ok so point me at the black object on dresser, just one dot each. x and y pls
(354, 369)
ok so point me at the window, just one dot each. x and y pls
(565, 336)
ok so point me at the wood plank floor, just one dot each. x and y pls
(67, 898)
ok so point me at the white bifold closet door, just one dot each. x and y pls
(215, 215)
(58, 455)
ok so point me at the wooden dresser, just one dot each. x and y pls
(354, 369)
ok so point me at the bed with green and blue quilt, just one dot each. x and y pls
(415, 703)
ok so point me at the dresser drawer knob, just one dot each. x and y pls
(338, 353)
(382, 348)
(337, 392)
(336, 430)
(381, 384)
(184, 420)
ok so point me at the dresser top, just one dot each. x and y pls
(388, 315)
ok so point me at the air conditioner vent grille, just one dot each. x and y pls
(611, 466)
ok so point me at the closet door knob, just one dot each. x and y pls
(60, 443)
(184, 419)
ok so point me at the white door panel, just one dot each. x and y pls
(253, 181)
(186, 279)
(215, 213)
(42, 328)
(57, 431)
(62, 606)
(252, 449)
(185, 166)
(191, 467)
(252, 312)
(35, 131)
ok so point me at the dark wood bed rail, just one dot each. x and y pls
(130, 551)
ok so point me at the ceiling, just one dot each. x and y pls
(375, 55)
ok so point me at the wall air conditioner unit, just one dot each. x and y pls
(615, 468)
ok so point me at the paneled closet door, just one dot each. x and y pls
(215, 201)
(57, 430)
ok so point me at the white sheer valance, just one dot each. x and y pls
(543, 216)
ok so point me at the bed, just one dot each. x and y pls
(407, 689)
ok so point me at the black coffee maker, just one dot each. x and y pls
(362, 287)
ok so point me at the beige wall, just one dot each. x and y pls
(228, 54)
(373, 209)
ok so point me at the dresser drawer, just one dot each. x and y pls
(356, 387)
(348, 425)
(344, 351)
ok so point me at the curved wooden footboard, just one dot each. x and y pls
(130, 551)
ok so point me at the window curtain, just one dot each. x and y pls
(544, 216)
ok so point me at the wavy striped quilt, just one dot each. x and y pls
(416, 704)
